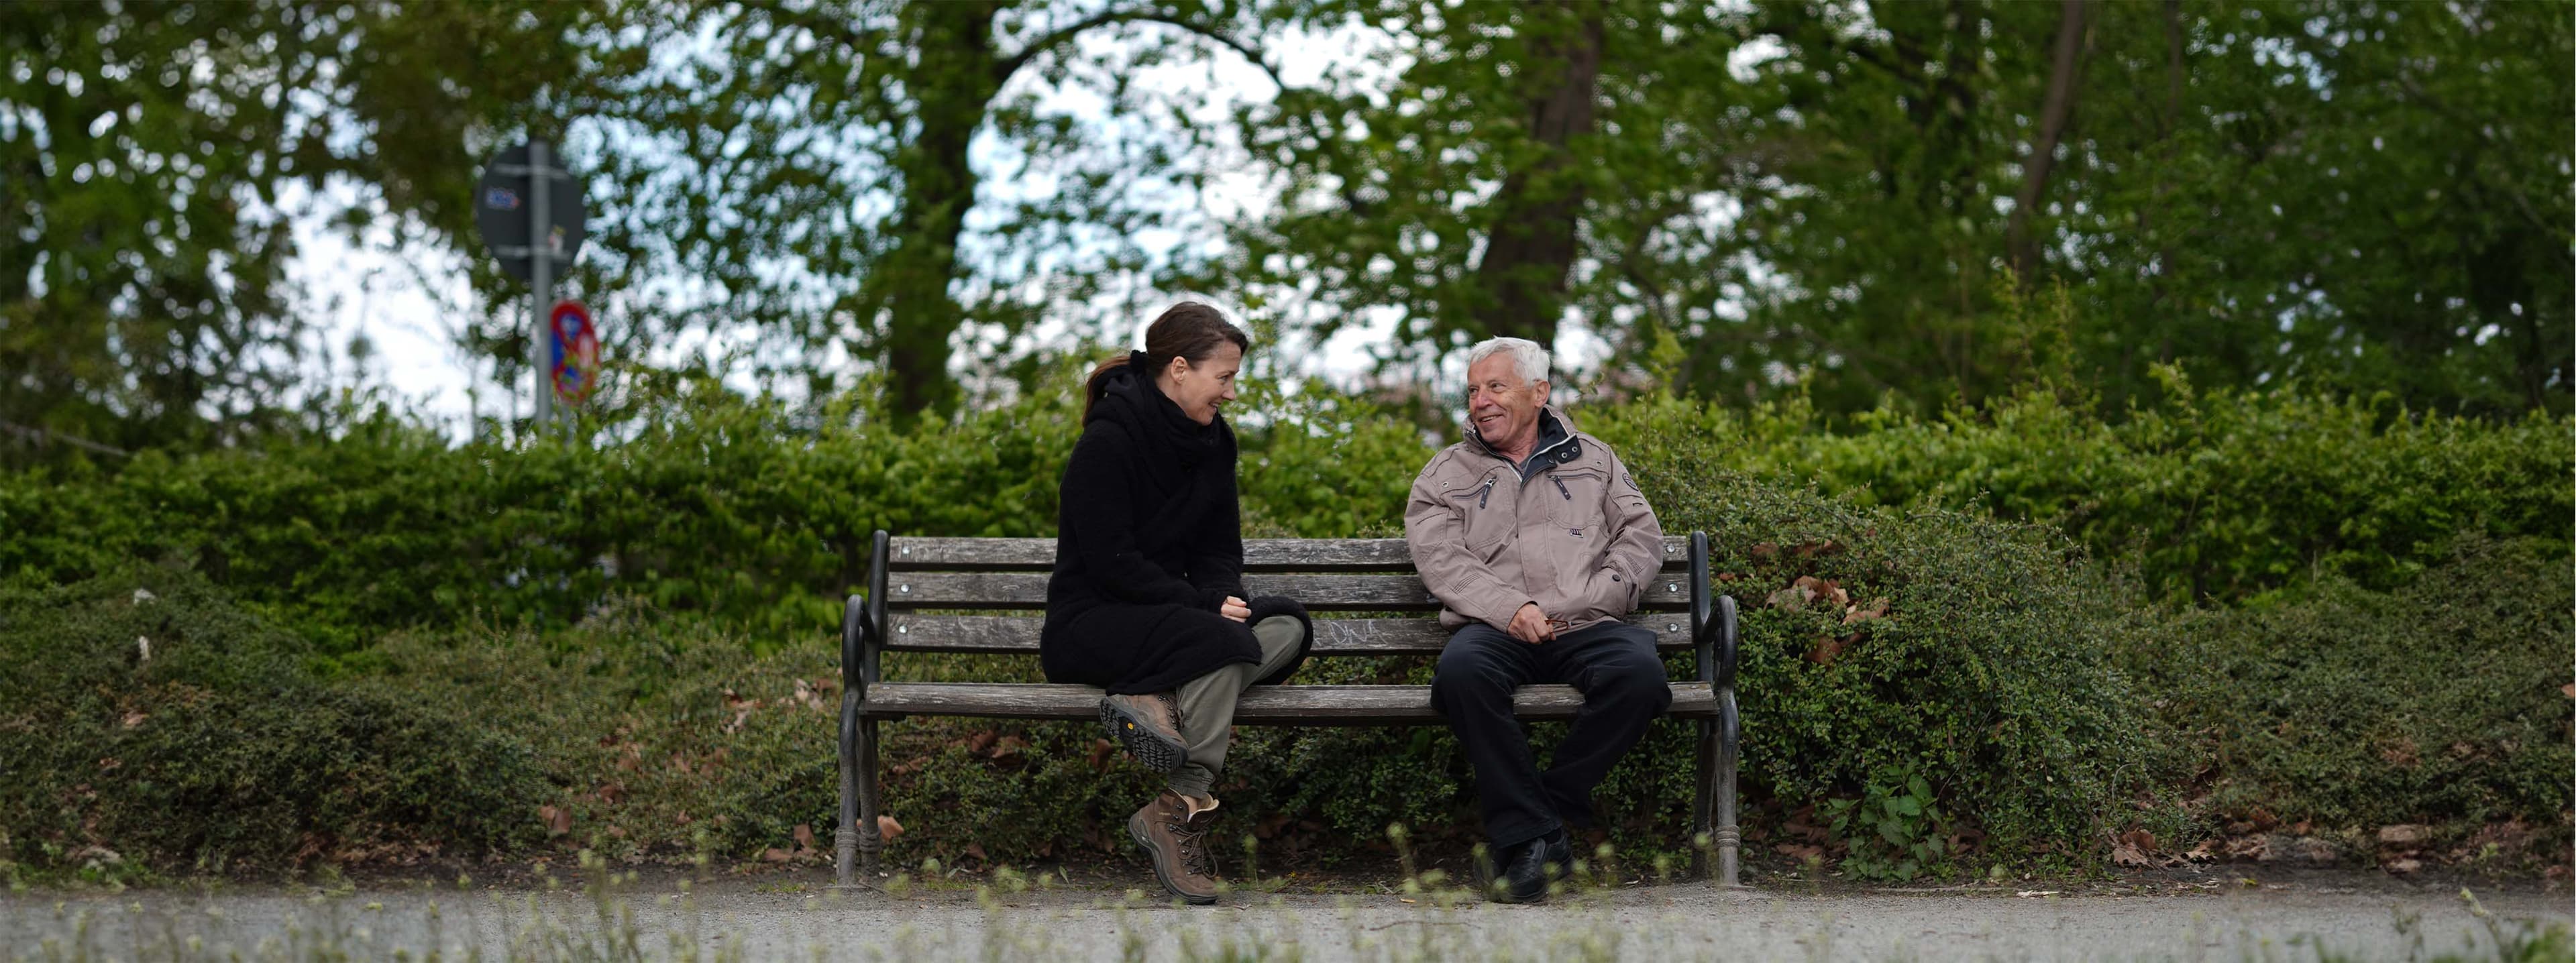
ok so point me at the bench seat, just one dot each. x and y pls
(1277, 705)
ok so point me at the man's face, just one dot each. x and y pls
(1501, 406)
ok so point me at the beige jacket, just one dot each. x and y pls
(1577, 537)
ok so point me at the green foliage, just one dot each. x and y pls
(1895, 828)
(151, 148)
(149, 722)
(2216, 497)
(2440, 702)
(652, 621)
(1987, 668)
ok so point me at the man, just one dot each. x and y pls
(1536, 541)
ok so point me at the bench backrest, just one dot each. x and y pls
(918, 585)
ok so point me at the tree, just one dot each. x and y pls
(1508, 175)
(820, 168)
(1851, 200)
(147, 149)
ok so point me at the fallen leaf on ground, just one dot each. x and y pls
(1827, 647)
(1824, 588)
(1791, 599)
(1875, 609)
(977, 850)
(558, 821)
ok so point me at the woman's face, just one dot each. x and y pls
(1199, 388)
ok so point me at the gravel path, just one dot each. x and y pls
(2361, 916)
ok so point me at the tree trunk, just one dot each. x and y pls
(955, 82)
(2063, 72)
(1531, 245)
(2172, 122)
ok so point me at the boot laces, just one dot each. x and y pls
(1192, 837)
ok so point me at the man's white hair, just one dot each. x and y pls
(1528, 359)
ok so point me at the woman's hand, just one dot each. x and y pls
(1235, 608)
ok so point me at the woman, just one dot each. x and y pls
(1147, 596)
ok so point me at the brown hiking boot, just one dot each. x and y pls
(1177, 843)
(1149, 727)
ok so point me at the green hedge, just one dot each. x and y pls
(2212, 498)
(2440, 703)
(613, 609)
(759, 515)
(147, 723)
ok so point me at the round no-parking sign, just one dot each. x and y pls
(576, 352)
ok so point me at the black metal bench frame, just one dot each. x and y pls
(998, 574)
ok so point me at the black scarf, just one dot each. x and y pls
(1167, 441)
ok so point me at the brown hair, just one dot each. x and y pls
(1186, 330)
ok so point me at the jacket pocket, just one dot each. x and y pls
(1574, 498)
(1483, 512)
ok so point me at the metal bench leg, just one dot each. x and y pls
(870, 841)
(845, 837)
(1706, 784)
(1728, 837)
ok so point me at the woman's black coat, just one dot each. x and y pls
(1149, 542)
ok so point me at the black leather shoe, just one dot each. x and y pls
(1528, 867)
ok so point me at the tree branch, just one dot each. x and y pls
(1008, 66)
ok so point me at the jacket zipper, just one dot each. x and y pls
(1560, 487)
(1484, 493)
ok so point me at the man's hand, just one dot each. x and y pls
(1530, 625)
(1235, 608)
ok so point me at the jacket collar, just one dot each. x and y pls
(1556, 441)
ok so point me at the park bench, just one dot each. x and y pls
(915, 583)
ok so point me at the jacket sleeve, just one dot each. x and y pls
(1097, 477)
(1216, 559)
(1437, 535)
(1636, 547)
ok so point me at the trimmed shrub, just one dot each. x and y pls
(2442, 703)
(2216, 498)
(1885, 646)
(144, 720)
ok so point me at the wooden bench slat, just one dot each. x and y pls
(1018, 634)
(1312, 705)
(1367, 593)
(917, 554)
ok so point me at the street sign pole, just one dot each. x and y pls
(541, 262)
(533, 223)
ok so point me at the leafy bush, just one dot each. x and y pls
(647, 625)
(1971, 652)
(145, 721)
(744, 511)
(2440, 703)
(2219, 497)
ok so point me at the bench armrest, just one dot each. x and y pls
(1713, 622)
(863, 619)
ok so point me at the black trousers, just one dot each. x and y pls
(1624, 688)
